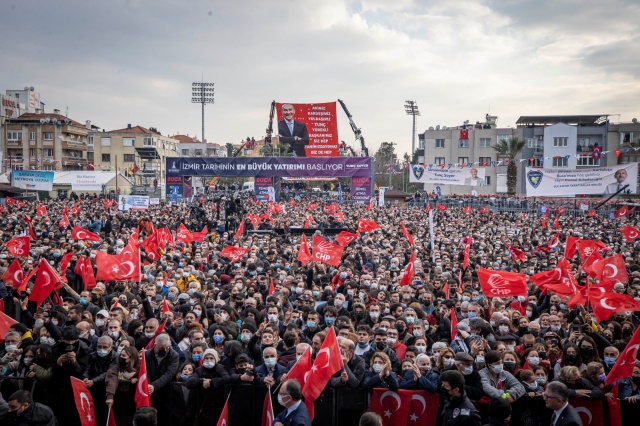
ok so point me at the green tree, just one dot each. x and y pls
(511, 148)
(384, 156)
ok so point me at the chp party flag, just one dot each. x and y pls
(234, 253)
(81, 234)
(184, 235)
(502, 283)
(19, 246)
(624, 364)
(365, 225)
(84, 402)
(142, 387)
(326, 252)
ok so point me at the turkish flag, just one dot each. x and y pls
(370, 205)
(331, 207)
(409, 271)
(152, 247)
(308, 222)
(502, 283)
(630, 233)
(26, 280)
(393, 407)
(464, 134)
(621, 212)
(441, 207)
(465, 259)
(421, 401)
(165, 307)
(84, 402)
(580, 297)
(590, 411)
(64, 222)
(553, 241)
(240, 231)
(13, 276)
(142, 397)
(556, 223)
(87, 275)
(596, 151)
(428, 208)
(254, 219)
(326, 252)
(570, 247)
(81, 234)
(184, 235)
(224, 416)
(199, 236)
(5, 322)
(544, 222)
(466, 210)
(32, 234)
(517, 254)
(485, 209)
(625, 362)
(605, 304)
(367, 225)
(234, 253)
(19, 246)
(272, 287)
(266, 217)
(559, 280)
(111, 418)
(267, 409)
(64, 263)
(27, 219)
(313, 206)
(328, 362)
(46, 281)
(300, 368)
(9, 201)
(611, 270)
(75, 210)
(122, 267)
(454, 324)
(345, 238)
(339, 216)
(304, 255)
(406, 233)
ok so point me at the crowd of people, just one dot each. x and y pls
(224, 326)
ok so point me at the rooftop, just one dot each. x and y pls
(30, 116)
(135, 129)
(595, 120)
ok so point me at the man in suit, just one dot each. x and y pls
(556, 397)
(295, 413)
(291, 132)
(621, 176)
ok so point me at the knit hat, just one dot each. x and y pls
(211, 352)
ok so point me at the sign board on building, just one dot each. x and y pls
(599, 180)
(133, 202)
(9, 107)
(86, 181)
(32, 179)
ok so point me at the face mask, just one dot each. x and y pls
(27, 361)
(196, 358)
(329, 320)
(410, 320)
(391, 341)
(208, 364)
(383, 288)
(532, 386)
(534, 361)
(497, 369)
(224, 316)
(363, 344)
(421, 349)
(511, 347)
(555, 328)
(280, 400)
(479, 360)
(149, 334)
(610, 362)
(114, 334)
(467, 370)
(245, 337)
(102, 352)
(472, 315)
(377, 368)
(298, 357)
(503, 328)
(381, 346)
(311, 324)
(602, 377)
(418, 333)
(449, 362)
(10, 348)
(54, 321)
(119, 350)
(636, 380)
(541, 381)
(374, 315)
(509, 366)
(586, 351)
(185, 377)
(162, 353)
(465, 298)
(99, 322)
(315, 293)
(270, 362)
(571, 357)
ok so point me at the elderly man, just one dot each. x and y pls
(556, 398)
(162, 366)
(295, 413)
(270, 372)
(353, 366)
(99, 362)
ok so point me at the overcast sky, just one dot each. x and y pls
(116, 62)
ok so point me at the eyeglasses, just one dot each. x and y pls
(545, 396)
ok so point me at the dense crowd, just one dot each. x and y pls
(224, 325)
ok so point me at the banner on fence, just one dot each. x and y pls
(133, 202)
(32, 179)
(449, 175)
(600, 180)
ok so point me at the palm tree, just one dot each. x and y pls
(511, 148)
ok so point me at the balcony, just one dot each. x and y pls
(68, 158)
(14, 142)
(90, 148)
(71, 144)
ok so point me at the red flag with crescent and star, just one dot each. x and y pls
(300, 368)
(625, 362)
(240, 231)
(345, 238)
(328, 362)
(14, 276)
(5, 322)
(605, 303)
(304, 255)
(409, 271)
(122, 267)
(81, 234)
(267, 409)
(84, 402)
(393, 407)
(406, 233)
(224, 416)
(142, 386)
(630, 233)
(365, 225)
(46, 281)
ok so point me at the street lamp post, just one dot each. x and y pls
(411, 108)
(202, 93)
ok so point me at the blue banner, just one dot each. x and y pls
(32, 179)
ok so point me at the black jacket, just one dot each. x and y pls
(160, 374)
(460, 412)
(569, 417)
(37, 414)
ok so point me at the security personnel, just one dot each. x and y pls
(458, 409)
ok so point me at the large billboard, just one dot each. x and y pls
(86, 181)
(445, 175)
(600, 180)
(32, 179)
(309, 130)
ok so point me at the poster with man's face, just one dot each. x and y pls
(320, 123)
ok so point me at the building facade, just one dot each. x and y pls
(190, 146)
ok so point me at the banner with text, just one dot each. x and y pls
(32, 179)
(454, 175)
(264, 189)
(600, 180)
(86, 181)
(133, 202)
(320, 122)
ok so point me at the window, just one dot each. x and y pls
(90, 156)
(588, 160)
(505, 138)
(50, 168)
(105, 141)
(32, 152)
(559, 142)
(560, 162)
(32, 136)
(129, 158)
(440, 161)
(47, 136)
(463, 143)
(485, 161)
(462, 160)
(485, 142)
(128, 141)
(535, 143)
(106, 157)
(198, 152)
(149, 142)
(90, 140)
(487, 180)
(48, 152)
(185, 152)
(14, 136)
(439, 143)
(537, 162)
(17, 167)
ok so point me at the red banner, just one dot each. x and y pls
(321, 123)
(405, 407)
(326, 252)
(501, 283)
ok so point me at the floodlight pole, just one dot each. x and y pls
(411, 108)
(202, 93)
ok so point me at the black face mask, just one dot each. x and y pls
(120, 288)
(241, 371)
(400, 328)
(636, 380)
(534, 333)
(381, 346)
(445, 393)
(122, 362)
(426, 302)
(571, 357)
(586, 351)
(542, 354)
(509, 366)
(162, 353)
(626, 332)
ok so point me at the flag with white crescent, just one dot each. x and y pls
(84, 402)
(14, 276)
(267, 409)
(46, 281)
(81, 234)
(328, 362)
(393, 407)
(142, 397)
(625, 362)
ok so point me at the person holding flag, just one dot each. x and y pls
(121, 383)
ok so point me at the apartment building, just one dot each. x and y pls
(190, 146)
